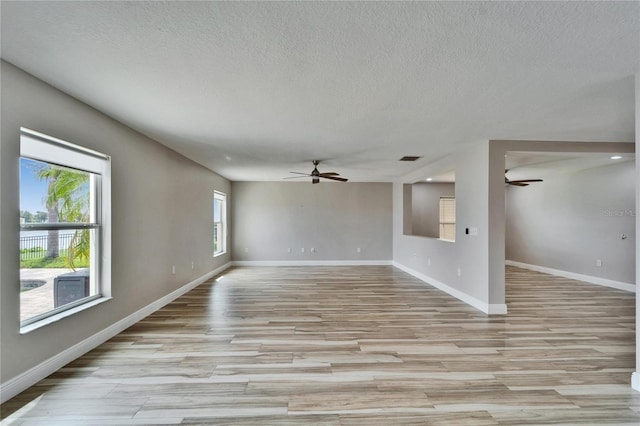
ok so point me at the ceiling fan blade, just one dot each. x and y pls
(296, 177)
(527, 180)
(329, 174)
(298, 173)
(516, 183)
(334, 178)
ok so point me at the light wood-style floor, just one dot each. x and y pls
(355, 346)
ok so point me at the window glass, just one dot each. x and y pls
(219, 223)
(448, 218)
(60, 228)
(53, 194)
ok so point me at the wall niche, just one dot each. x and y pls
(429, 207)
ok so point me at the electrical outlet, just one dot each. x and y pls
(173, 269)
(358, 250)
(193, 265)
(459, 271)
(289, 250)
(429, 261)
(313, 250)
(599, 263)
(302, 250)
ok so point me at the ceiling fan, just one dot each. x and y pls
(522, 182)
(315, 175)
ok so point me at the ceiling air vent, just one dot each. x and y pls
(409, 158)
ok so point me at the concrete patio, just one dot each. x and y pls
(38, 300)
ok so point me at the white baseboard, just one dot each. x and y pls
(635, 380)
(572, 275)
(310, 262)
(487, 308)
(14, 386)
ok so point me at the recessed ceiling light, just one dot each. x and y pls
(429, 179)
(616, 157)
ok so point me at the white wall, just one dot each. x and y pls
(333, 218)
(161, 216)
(571, 219)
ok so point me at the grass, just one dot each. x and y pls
(48, 262)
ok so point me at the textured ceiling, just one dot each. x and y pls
(254, 90)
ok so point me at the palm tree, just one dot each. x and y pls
(52, 210)
(67, 201)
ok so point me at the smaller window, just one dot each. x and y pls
(219, 223)
(448, 218)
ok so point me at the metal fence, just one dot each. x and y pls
(35, 246)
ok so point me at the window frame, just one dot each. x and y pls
(221, 197)
(40, 147)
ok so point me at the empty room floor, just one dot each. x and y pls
(355, 346)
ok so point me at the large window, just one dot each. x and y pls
(219, 223)
(448, 218)
(64, 232)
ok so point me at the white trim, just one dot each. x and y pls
(69, 145)
(635, 380)
(487, 308)
(14, 386)
(24, 329)
(572, 275)
(310, 262)
(56, 151)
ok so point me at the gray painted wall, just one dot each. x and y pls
(571, 219)
(480, 202)
(636, 374)
(161, 215)
(333, 218)
(425, 207)
(497, 201)
(440, 260)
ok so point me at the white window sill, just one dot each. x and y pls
(447, 241)
(219, 254)
(57, 317)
